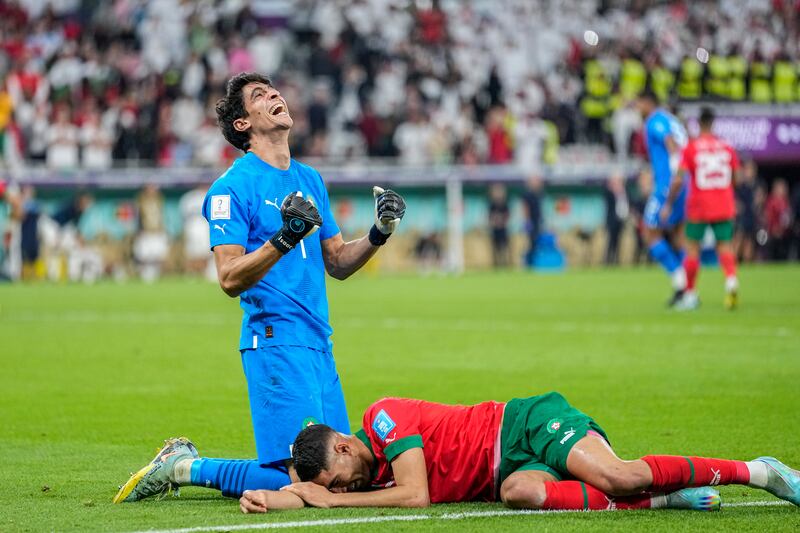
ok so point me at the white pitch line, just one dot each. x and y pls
(299, 523)
(404, 518)
(770, 503)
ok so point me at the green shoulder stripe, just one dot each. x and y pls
(402, 445)
(362, 436)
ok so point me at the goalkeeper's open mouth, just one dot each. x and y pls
(278, 109)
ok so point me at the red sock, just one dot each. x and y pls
(728, 263)
(576, 495)
(691, 265)
(672, 472)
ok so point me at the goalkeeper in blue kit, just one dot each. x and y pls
(666, 138)
(273, 238)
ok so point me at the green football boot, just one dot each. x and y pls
(155, 478)
(695, 499)
(782, 481)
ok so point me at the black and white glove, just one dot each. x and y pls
(389, 210)
(300, 219)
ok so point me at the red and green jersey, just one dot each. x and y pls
(458, 442)
(711, 163)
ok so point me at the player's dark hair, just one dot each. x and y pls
(311, 450)
(706, 117)
(649, 94)
(231, 107)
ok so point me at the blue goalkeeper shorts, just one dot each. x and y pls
(291, 387)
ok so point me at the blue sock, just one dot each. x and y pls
(662, 252)
(234, 476)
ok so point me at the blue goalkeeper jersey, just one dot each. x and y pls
(288, 306)
(658, 126)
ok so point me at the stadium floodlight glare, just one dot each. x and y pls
(591, 37)
(702, 55)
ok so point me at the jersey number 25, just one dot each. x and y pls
(713, 170)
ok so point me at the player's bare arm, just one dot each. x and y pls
(672, 146)
(410, 489)
(675, 186)
(238, 271)
(261, 501)
(342, 259)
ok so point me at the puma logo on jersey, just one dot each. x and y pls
(715, 478)
(387, 440)
(273, 204)
(568, 435)
(221, 228)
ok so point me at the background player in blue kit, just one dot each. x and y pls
(273, 237)
(665, 138)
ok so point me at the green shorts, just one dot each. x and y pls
(538, 434)
(723, 230)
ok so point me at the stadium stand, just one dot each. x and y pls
(121, 93)
(430, 82)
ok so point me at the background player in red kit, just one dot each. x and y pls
(712, 165)
(534, 453)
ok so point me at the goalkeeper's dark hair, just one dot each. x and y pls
(311, 450)
(706, 118)
(231, 107)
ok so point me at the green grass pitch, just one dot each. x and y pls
(92, 378)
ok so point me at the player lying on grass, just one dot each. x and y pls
(533, 453)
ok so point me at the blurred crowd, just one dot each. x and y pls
(42, 241)
(48, 243)
(767, 226)
(97, 83)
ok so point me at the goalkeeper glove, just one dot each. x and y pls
(389, 210)
(300, 219)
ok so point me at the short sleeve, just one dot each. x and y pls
(394, 426)
(329, 227)
(227, 213)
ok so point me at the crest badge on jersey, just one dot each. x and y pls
(554, 425)
(221, 207)
(383, 424)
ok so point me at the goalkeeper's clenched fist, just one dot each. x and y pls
(300, 219)
(389, 210)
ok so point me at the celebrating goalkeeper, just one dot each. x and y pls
(272, 233)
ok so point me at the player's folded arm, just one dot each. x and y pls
(261, 501)
(410, 487)
(410, 477)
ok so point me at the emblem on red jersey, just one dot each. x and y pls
(383, 424)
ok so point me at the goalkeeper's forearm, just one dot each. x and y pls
(238, 271)
(343, 259)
